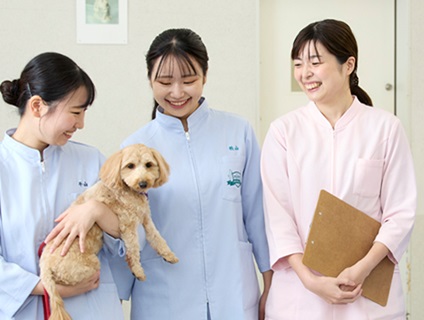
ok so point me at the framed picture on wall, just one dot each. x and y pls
(102, 21)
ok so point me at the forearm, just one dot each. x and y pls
(106, 219)
(377, 253)
(267, 279)
(38, 289)
(303, 272)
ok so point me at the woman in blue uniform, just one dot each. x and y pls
(41, 173)
(210, 211)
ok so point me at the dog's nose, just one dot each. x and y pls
(143, 184)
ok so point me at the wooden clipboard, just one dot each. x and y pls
(341, 235)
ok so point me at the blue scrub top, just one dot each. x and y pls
(210, 213)
(32, 194)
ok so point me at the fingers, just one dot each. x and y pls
(61, 216)
(69, 240)
(84, 286)
(56, 230)
(97, 281)
(59, 237)
(94, 281)
(352, 295)
(348, 296)
(345, 282)
(82, 242)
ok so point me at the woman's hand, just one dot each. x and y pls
(77, 220)
(74, 222)
(267, 279)
(327, 288)
(361, 270)
(330, 289)
(84, 286)
(356, 273)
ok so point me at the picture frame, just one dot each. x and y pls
(102, 21)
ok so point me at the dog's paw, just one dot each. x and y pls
(171, 258)
(139, 273)
(140, 277)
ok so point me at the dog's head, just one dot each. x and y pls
(137, 167)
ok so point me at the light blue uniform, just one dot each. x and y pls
(210, 213)
(32, 195)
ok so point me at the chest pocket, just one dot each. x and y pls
(368, 177)
(231, 178)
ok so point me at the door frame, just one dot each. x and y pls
(403, 111)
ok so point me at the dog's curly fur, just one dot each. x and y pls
(124, 179)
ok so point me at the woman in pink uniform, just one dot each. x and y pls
(339, 143)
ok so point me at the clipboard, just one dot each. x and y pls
(340, 235)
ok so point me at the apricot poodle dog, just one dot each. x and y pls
(124, 179)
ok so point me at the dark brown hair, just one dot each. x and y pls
(337, 37)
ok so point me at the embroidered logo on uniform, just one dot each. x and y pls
(233, 148)
(234, 178)
(83, 183)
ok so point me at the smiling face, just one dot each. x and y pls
(177, 87)
(324, 80)
(42, 125)
(58, 124)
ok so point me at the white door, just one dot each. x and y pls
(372, 22)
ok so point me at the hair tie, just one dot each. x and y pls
(355, 80)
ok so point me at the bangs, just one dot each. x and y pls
(184, 62)
(300, 46)
(91, 94)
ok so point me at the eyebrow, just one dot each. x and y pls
(310, 57)
(318, 56)
(78, 107)
(171, 76)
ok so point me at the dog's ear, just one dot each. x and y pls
(110, 172)
(163, 169)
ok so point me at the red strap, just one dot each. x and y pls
(46, 303)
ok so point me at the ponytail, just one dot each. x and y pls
(357, 91)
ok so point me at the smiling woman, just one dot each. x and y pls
(210, 210)
(44, 168)
(338, 143)
(51, 110)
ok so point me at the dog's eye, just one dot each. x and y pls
(149, 164)
(130, 166)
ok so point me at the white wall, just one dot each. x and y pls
(228, 28)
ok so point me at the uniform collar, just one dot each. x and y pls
(23, 150)
(194, 120)
(345, 119)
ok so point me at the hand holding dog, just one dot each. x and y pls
(82, 287)
(125, 178)
(77, 220)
